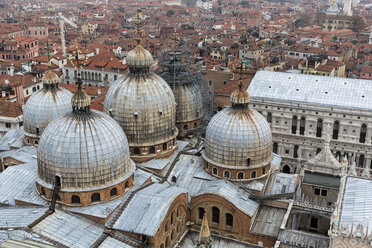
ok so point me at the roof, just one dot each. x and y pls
(113, 243)
(238, 197)
(322, 180)
(310, 89)
(10, 109)
(357, 203)
(12, 139)
(25, 154)
(151, 203)
(13, 217)
(268, 221)
(282, 183)
(69, 230)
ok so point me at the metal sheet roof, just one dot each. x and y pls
(14, 180)
(151, 203)
(13, 217)
(357, 203)
(24, 154)
(19, 235)
(232, 193)
(113, 243)
(268, 221)
(69, 229)
(282, 183)
(13, 138)
(321, 179)
(318, 90)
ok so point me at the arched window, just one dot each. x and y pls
(96, 197)
(361, 161)
(201, 213)
(319, 128)
(240, 175)
(152, 150)
(229, 219)
(336, 127)
(195, 125)
(294, 124)
(214, 171)
(216, 215)
(57, 181)
(263, 170)
(172, 215)
(113, 192)
(167, 242)
(295, 152)
(248, 161)
(269, 117)
(172, 235)
(363, 133)
(302, 125)
(126, 184)
(75, 199)
(275, 147)
(162, 246)
(137, 151)
(36, 142)
(37, 131)
(253, 175)
(42, 191)
(286, 169)
(226, 174)
(164, 146)
(185, 127)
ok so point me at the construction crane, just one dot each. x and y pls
(62, 21)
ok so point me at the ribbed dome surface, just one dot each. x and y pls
(189, 102)
(233, 135)
(43, 107)
(144, 106)
(85, 150)
(139, 57)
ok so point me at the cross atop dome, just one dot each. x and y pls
(138, 23)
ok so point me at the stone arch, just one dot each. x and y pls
(286, 169)
(75, 199)
(96, 197)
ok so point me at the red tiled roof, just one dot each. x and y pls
(10, 109)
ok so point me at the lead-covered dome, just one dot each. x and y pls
(84, 152)
(44, 106)
(144, 106)
(238, 142)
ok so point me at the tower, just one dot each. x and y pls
(347, 7)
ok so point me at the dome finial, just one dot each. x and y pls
(138, 23)
(240, 97)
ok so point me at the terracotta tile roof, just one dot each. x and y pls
(233, 85)
(10, 109)
(366, 69)
(90, 90)
(97, 103)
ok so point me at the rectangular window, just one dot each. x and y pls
(8, 125)
(21, 123)
(316, 191)
(324, 192)
(314, 223)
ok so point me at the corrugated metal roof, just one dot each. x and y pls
(151, 203)
(113, 243)
(14, 180)
(232, 193)
(69, 230)
(268, 221)
(357, 203)
(12, 217)
(318, 90)
(13, 138)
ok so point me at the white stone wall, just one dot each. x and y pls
(350, 123)
(90, 77)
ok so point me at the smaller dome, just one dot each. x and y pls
(50, 78)
(80, 99)
(240, 96)
(139, 57)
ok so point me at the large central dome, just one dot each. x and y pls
(144, 106)
(238, 142)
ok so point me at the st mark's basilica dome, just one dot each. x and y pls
(84, 154)
(238, 142)
(144, 106)
(44, 106)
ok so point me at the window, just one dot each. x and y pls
(295, 152)
(37, 131)
(115, 77)
(8, 125)
(336, 127)
(294, 124)
(248, 161)
(172, 217)
(302, 125)
(323, 192)
(164, 146)
(286, 169)
(269, 117)
(275, 147)
(26, 92)
(318, 150)
(361, 161)
(166, 227)
(316, 191)
(216, 215)
(57, 181)
(96, 197)
(201, 213)
(319, 128)
(185, 127)
(75, 199)
(113, 192)
(227, 174)
(253, 175)
(263, 171)
(229, 220)
(137, 151)
(214, 171)
(314, 223)
(33, 89)
(240, 175)
(167, 242)
(42, 191)
(363, 133)
(152, 150)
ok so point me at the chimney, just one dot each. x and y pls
(11, 72)
(97, 50)
(99, 92)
